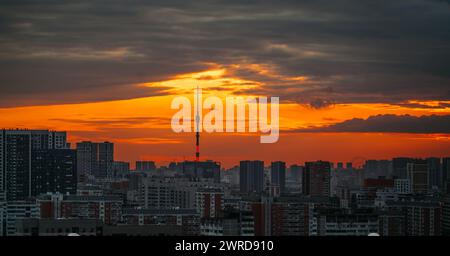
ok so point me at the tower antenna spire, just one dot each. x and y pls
(197, 132)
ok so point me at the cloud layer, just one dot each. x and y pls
(351, 51)
(390, 124)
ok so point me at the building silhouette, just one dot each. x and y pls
(251, 176)
(144, 166)
(417, 174)
(278, 174)
(201, 170)
(94, 159)
(54, 171)
(316, 178)
(399, 165)
(18, 148)
(444, 177)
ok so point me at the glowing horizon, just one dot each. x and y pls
(145, 123)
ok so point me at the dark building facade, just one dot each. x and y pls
(144, 166)
(94, 159)
(54, 171)
(434, 170)
(422, 218)
(296, 172)
(251, 176)
(417, 173)
(446, 212)
(444, 172)
(446, 215)
(205, 170)
(17, 148)
(316, 178)
(278, 174)
(399, 165)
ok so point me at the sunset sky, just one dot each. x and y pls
(356, 79)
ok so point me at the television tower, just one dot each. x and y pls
(197, 132)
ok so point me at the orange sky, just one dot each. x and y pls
(141, 127)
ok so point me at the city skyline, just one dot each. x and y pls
(124, 151)
(48, 189)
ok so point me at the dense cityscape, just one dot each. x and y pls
(49, 187)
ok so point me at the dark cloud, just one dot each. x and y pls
(122, 121)
(351, 51)
(320, 103)
(438, 105)
(390, 123)
(37, 95)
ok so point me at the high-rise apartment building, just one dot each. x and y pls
(295, 172)
(417, 173)
(278, 174)
(209, 202)
(251, 176)
(445, 171)
(399, 165)
(54, 171)
(434, 170)
(316, 178)
(168, 192)
(95, 159)
(18, 149)
(422, 218)
(446, 212)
